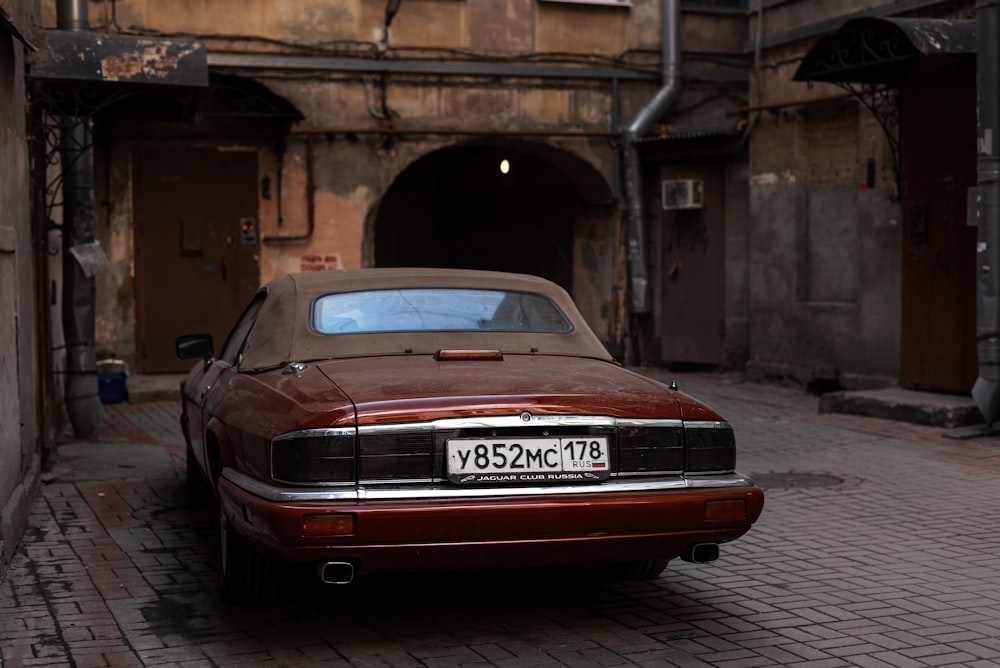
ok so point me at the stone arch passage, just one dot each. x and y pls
(455, 208)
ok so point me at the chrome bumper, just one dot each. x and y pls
(447, 491)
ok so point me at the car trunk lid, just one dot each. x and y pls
(422, 387)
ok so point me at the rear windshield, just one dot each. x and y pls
(436, 309)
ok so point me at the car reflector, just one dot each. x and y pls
(327, 525)
(729, 510)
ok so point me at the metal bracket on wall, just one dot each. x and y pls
(51, 105)
(883, 103)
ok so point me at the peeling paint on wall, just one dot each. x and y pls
(335, 242)
(150, 62)
(320, 262)
(771, 178)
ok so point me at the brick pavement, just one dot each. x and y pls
(878, 547)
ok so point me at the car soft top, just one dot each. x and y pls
(282, 333)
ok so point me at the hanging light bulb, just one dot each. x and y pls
(504, 166)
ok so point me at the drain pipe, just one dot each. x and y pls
(986, 391)
(83, 402)
(640, 288)
(72, 15)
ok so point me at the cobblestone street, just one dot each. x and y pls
(879, 546)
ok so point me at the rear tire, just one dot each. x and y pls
(247, 575)
(644, 570)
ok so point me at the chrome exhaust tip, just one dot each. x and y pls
(336, 572)
(701, 553)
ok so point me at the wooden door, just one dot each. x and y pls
(196, 247)
(693, 271)
(938, 328)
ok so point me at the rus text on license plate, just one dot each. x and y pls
(528, 460)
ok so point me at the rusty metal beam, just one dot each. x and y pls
(84, 56)
(274, 61)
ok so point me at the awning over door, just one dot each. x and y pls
(889, 50)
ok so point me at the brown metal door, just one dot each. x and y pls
(196, 247)
(693, 271)
(938, 345)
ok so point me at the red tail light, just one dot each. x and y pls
(729, 510)
(327, 525)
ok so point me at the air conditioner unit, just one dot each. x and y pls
(680, 194)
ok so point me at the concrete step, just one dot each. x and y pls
(895, 403)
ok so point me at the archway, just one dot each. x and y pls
(457, 207)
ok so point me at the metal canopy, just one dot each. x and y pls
(225, 97)
(874, 50)
(239, 97)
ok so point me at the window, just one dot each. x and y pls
(436, 310)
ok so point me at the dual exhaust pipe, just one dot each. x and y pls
(342, 572)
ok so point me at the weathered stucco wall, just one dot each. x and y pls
(115, 309)
(19, 429)
(336, 168)
(346, 180)
(736, 343)
(513, 26)
(825, 277)
(361, 131)
(349, 180)
(784, 15)
(347, 175)
(815, 323)
(812, 260)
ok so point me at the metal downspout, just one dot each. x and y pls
(640, 289)
(986, 391)
(83, 402)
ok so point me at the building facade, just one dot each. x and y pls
(358, 133)
(354, 134)
(799, 203)
(862, 154)
(782, 228)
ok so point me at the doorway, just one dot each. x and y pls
(938, 334)
(693, 254)
(196, 246)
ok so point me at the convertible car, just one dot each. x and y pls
(401, 420)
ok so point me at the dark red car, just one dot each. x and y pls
(398, 420)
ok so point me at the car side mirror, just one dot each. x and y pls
(192, 346)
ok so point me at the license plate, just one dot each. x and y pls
(528, 460)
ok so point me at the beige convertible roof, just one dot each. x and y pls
(282, 332)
